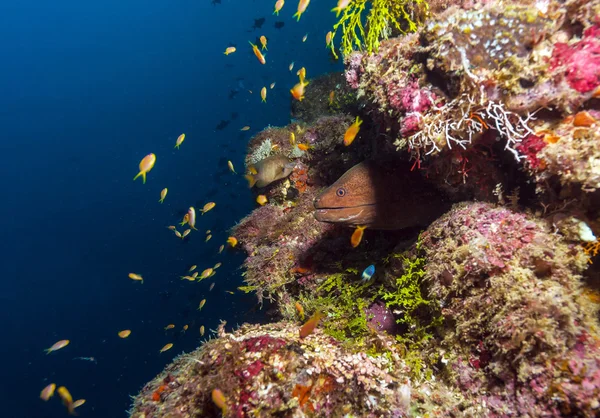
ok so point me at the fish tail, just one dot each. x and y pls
(251, 180)
(297, 14)
(161, 200)
(276, 12)
(138, 174)
(337, 10)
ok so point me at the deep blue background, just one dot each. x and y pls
(86, 90)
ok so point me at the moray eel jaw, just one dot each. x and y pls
(358, 215)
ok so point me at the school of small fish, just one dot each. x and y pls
(260, 175)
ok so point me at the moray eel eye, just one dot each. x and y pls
(341, 192)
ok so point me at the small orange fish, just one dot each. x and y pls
(78, 403)
(328, 38)
(208, 237)
(304, 38)
(352, 131)
(136, 277)
(302, 5)
(232, 241)
(185, 327)
(195, 274)
(192, 268)
(192, 217)
(163, 194)
(263, 42)
(258, 54)
(202, 330)
(66, 397)
(57, 346)
(298, 91)
(178, 234)
(300, 310)
(186, 233)
(278, 6)
(272, 86)
(170, 326)
(217, 266)
(301, 73)
(310, 325)
(208, 207)
(179, 141)
(221, 248)
(331, 97)
(357, 235)
(188, 278)
(229, 50)
(145, 166)
(125, 333)
(261, 199)
(263, 94)
(230, 165)
(185, 220)
(211, 287)
(341, 5)
(304, 147)
(245, 128)
(48, 392)
(219, 399)
(201, 305)
(291, 66)
(166, 347)
(172, 227)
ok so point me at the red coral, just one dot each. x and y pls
(251, 371)
(530, 147)
(263, 343)
(581, 61)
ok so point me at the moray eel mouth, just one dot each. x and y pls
(354, 215)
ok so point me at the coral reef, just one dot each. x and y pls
(490, 310)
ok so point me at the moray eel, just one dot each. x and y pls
(269, 170)
(380, 196)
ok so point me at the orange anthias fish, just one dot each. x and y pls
(163, 194)
(192, 217)
(201, 305)
(170, 326)
(185, 220)
(232, 241)
(136, 277)
(179, 141)
(352, 131)
(263, 42)
(125, 333)
(302, 5)
(301, 73)
(331, 97)
(300, 310)
(278, 6)
(328, 38)
(298, 91)
(66, 397)
(245, 128)
(357, 235)
(57, 346)
(258, 54)
(304, 38)
(208, 206)
(229, 50)
(310, 325)
(202, 330)
(261, 199)
(145, 166)
(303, 147)
(341, 5)
(219, 399)
(48, 392)
(166, 347)
(263, 94)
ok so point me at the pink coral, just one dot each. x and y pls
(581, 61)
(353, 69)
(529, 147)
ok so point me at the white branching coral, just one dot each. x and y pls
(461, 121)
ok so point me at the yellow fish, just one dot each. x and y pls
(217, 266)
(278, 6)
(78, 403)
(192, 217)
(166, 347)
(263, 94)
(201, 305)
(202, 330)
(48, 392)
(272, 86)
(229, 50)
(179, 141)
(304, 38)
(352, 131)
(261, 199)
(57, 346)
(232, 241)
(291, 66)
(302, 5)
(208, 206)
(219, 400)
(163, 194)
(258, 54)
(145, 166)
(66, 397)
(170, 326)
(125, 333)
(221, 248)
(341, 5)
(328, 38)
(192, 268)
(208, 237)
(136, 277)
(245, 128)
(230, 165)
(263, 42)
(186, 233)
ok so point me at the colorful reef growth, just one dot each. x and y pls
(480, 137)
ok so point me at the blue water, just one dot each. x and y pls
(86, 90)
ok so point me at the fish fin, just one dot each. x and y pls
(138, 174)
(251, 180)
